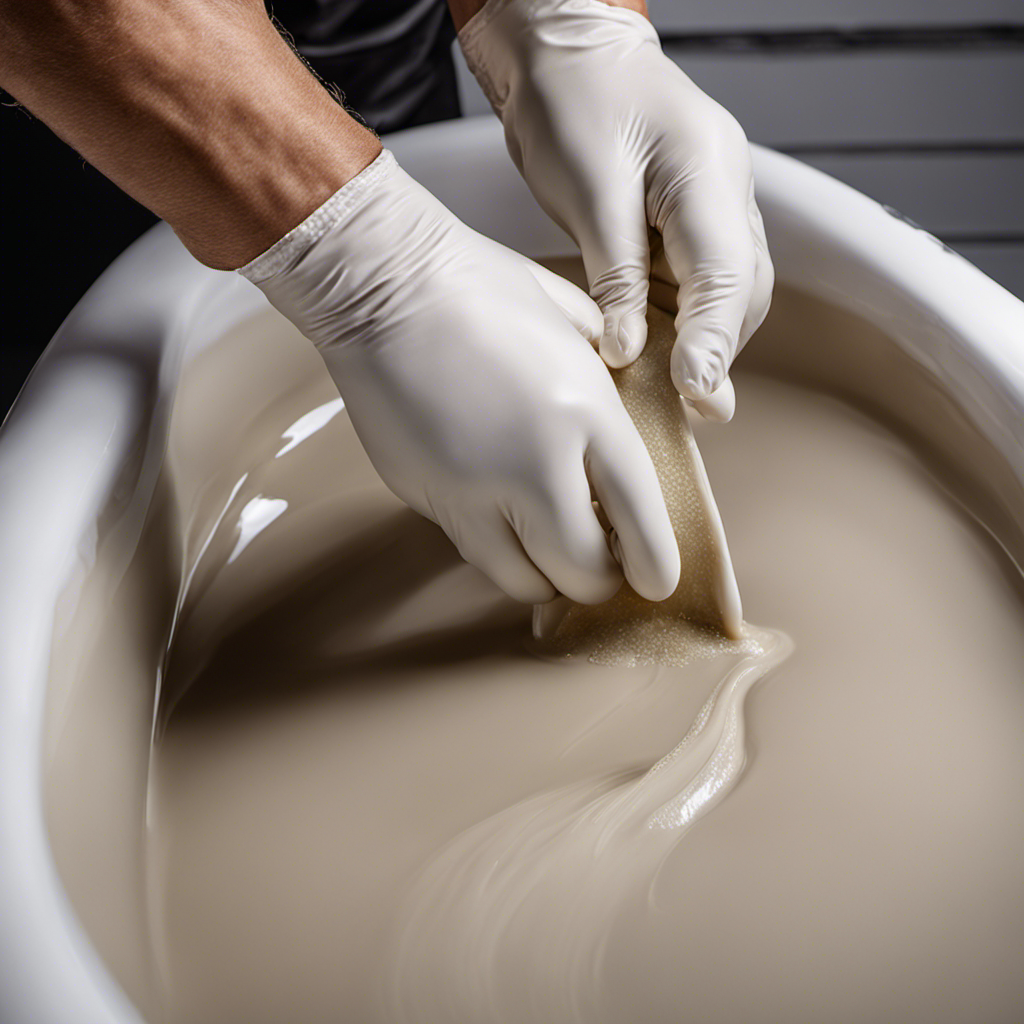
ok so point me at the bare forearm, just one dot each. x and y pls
(196, 108)
(463, 10)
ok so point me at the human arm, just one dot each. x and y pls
(198, 109)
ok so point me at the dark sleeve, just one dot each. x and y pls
(391, 59)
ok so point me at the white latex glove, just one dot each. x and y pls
(611, 137)
(470, 380)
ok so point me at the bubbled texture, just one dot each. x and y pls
(703, 617)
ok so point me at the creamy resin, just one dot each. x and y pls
(370, 798)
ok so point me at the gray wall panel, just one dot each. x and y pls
(742, 15)
(881, 98)
(1004, 263)
(951, 194)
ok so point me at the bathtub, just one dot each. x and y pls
(82, 447)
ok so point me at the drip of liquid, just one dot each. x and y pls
(512, 920)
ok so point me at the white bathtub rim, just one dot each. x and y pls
(52, 460)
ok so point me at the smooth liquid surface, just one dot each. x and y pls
(345, 698)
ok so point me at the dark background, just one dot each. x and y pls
(62, 224)
(918, 103)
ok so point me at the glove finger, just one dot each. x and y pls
(577, 306)
(617, 259)
(764, 275)
(627, 487)
(720, 405)
(710, 248)
(489, 543)
(760, 301)
(756, 222)
(561, 533)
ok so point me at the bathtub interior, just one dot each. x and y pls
(99, 723)
(885, 327)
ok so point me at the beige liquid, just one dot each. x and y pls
(357, 804)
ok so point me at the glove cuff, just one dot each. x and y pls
(285, 252)
(483, 56)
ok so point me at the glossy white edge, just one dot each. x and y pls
(80, 450)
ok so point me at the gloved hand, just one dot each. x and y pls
(469, 378)
(611, 137)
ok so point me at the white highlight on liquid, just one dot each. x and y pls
(257, 515)
(511, 920)
(307, 425)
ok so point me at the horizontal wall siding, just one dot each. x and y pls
(882, 99)
(742, 15)
(960, 195)
(1004, 262)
